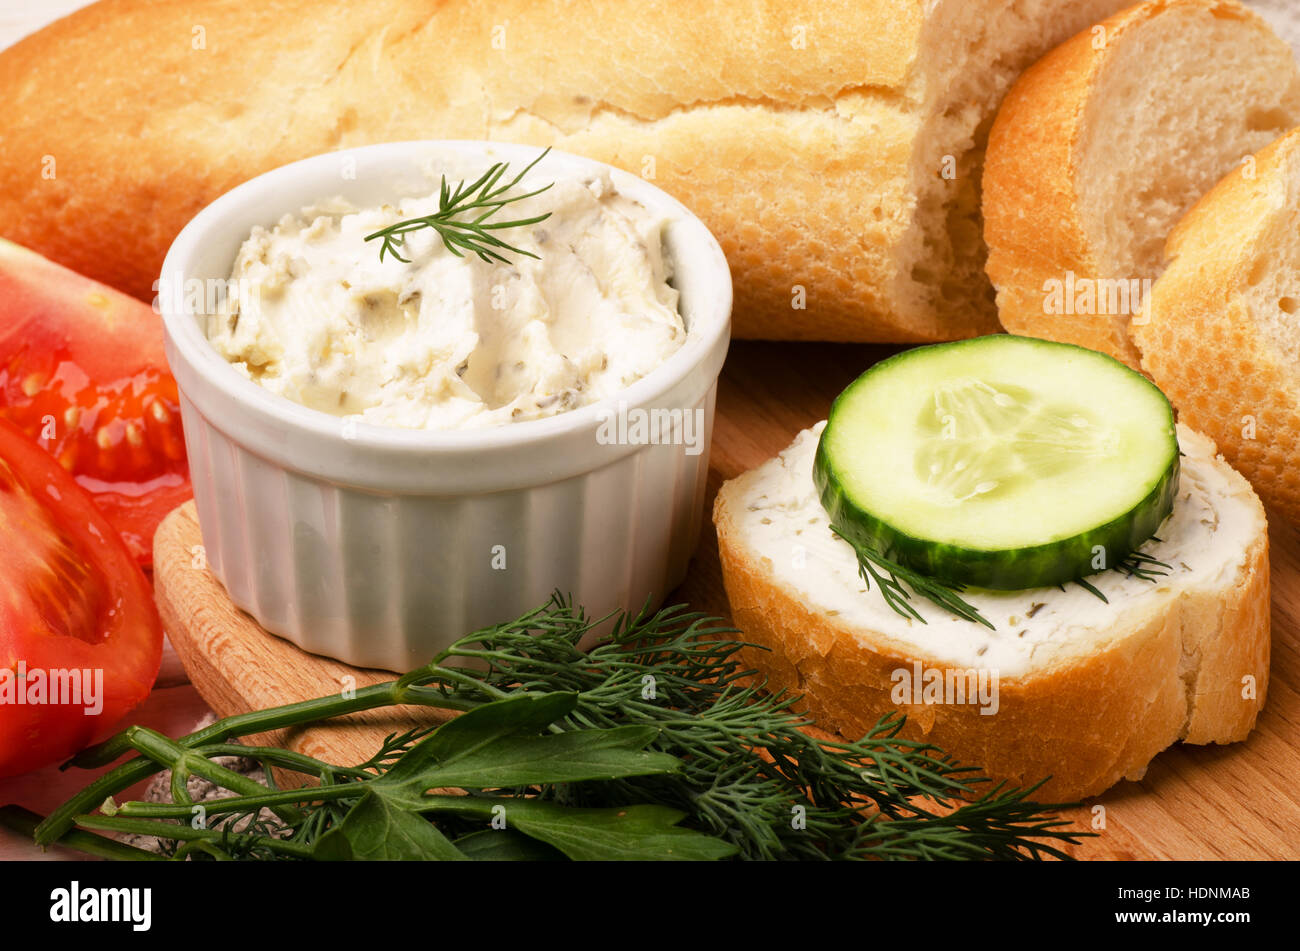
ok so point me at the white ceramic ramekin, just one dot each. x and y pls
(379, 546)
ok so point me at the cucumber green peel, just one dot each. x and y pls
(1001, 462)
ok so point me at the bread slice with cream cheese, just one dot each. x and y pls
(1067, 685)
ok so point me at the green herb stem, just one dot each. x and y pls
(186, 762)
(261, 721)
(238, 804)
(25, 822)
(186, 833)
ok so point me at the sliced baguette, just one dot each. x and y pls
(1100, 148)
(1088, 692)
(833, 146)
(1221, 335)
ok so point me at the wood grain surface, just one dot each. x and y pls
(238, 667)
(1235, 801)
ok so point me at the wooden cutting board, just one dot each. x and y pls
(1220, 802)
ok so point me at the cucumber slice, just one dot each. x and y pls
(1001, 462)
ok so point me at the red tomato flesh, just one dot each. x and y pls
(76, 614)
(83, 372)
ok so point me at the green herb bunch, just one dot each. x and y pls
(656, 744)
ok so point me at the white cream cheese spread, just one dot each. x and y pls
(1204, 541)
(447, 342)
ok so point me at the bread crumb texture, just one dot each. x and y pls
(1104, 145)
(1223, 339)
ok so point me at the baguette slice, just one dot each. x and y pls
(1087, 692)
(833, 146)
(1221, 335)
(1100, 148)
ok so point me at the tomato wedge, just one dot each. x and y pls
(80, 637)
(83, 372)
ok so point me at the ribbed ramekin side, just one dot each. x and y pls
(390, 580)
(219, 495)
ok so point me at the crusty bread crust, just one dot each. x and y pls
(1088, 723)
(150, 130)
(1033, 209)
(1032, 219)
(1199, 318)
(791, 129)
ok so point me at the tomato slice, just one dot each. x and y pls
(83, 372)
(77, 616)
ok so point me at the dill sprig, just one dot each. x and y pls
(1136, 564)
(888, 575)
(676, 738)
(462, 217)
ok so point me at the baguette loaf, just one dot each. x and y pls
(1087, 692)
(1228, 302)
(1101, 148)
(834, 147)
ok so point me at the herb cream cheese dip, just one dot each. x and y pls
(448, 342)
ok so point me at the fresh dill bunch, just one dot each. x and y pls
(751, 774)
(661, 730)
(462, 218)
